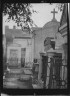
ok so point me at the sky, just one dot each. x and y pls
(40, 18)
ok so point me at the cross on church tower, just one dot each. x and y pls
(54, 13)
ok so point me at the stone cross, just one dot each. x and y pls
(54, 13)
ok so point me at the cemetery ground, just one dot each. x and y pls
(21, 78)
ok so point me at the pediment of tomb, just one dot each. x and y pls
(14, 45)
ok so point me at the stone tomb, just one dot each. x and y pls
(14, 55)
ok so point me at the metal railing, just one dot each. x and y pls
(57, 78)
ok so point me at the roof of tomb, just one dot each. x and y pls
(64, 15)
(12, 33)
(15, 32)
(51, 23)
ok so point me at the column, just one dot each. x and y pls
(19, 57)
(64, 71)
(50, 55)
(40, 67)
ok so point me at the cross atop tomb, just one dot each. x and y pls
(54, 13)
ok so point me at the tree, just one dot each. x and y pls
(20, 13)
(60, 6)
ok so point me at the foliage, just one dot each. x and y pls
(60, 6)
(20, 13)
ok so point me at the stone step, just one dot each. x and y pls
(12, 75)
(36, 86)
(15, 83)
(16, 71)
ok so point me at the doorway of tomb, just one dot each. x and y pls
(13, 59)
(23, 52)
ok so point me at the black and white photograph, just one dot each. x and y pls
(35, 51)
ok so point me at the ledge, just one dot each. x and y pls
(63, 26)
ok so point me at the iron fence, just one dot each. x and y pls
(57, 78)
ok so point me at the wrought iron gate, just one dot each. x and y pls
(57, 78)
